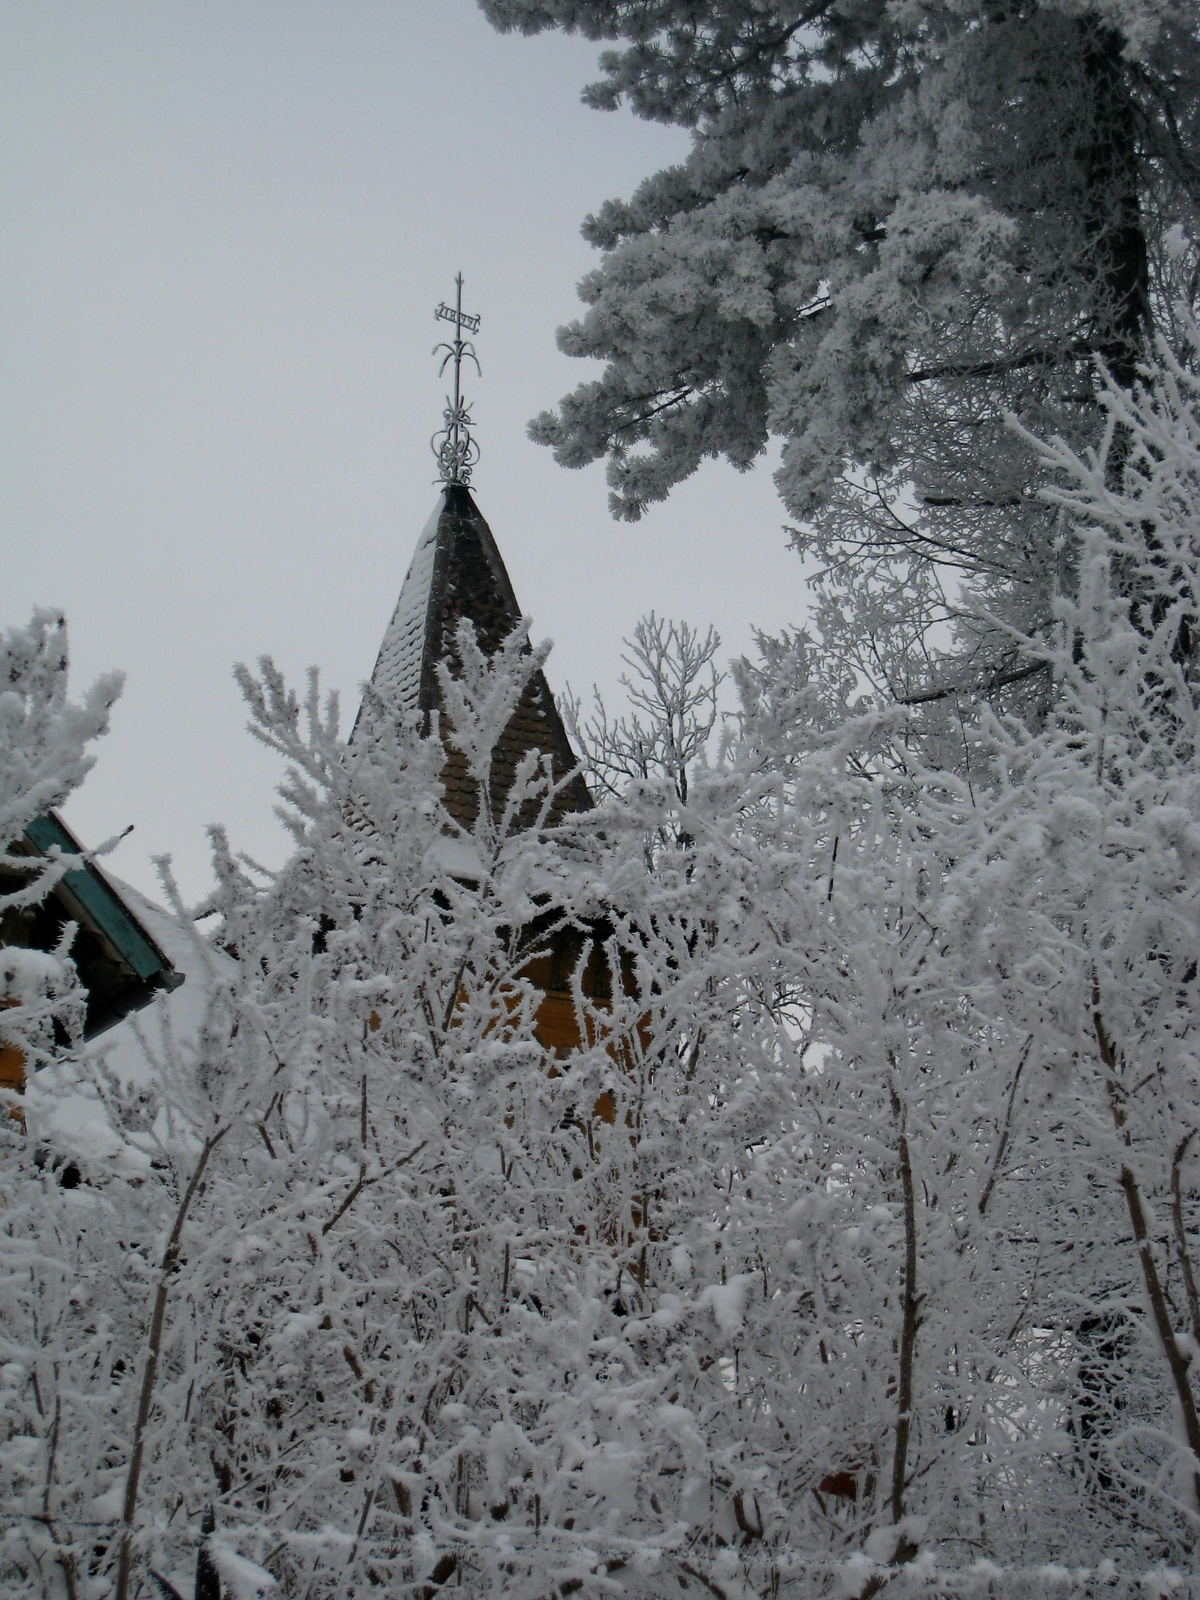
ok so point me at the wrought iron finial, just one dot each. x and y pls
(453, 445)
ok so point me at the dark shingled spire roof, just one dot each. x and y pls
(457, 572)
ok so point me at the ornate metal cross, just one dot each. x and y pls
(453, 445)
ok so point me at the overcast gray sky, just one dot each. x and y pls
(224, 226)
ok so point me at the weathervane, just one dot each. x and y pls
(453, 445)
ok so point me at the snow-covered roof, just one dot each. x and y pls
(120, 964)
(176, 1017)
(397, 674)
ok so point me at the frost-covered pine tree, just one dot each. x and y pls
(893, 229)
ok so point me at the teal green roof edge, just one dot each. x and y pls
(101, 901)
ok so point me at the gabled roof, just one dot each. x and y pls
(119, 964)
(457, 572)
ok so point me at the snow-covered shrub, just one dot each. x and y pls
(55, 1319)
(925, 1246)
(366, 1294)
(996, 968)
(854, 1249)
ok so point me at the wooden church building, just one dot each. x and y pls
(456, 574)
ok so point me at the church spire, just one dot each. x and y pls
(454, 445)
(457, 574)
